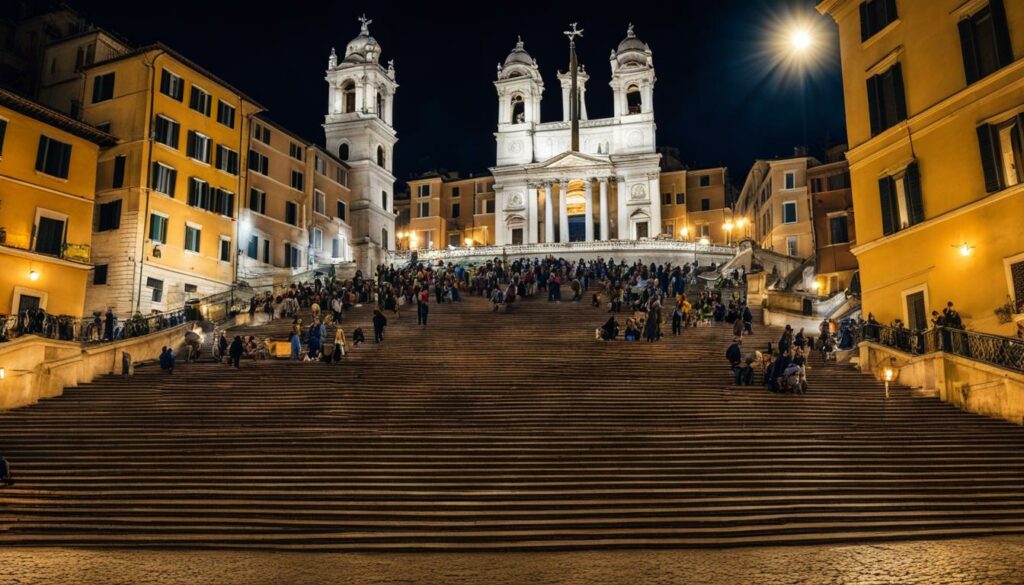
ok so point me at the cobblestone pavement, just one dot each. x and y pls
(989, 561)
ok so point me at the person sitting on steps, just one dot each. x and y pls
(6, 475)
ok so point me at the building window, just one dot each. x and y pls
(875, 15)
(666, 199)
(117, 180)
(297, 180)
(424, 209)
(341, 210)
(109, 216)
(319, 202)
(705, 230)
(158, 228)
(261, 133)
(456, 209)
(165, 131)
(335, 248)
(158, 289)
(1017, 281)
(192, 236)
(343, 151)
(49, 235)
(634, 103)
(103, 88)
(198, 193)
(424, 190)
(225, 249)
(253, 249)
(53, 157)
(295, 151)
(225, 114)
(99, 274)
(321, 164)
(172, 85)
(380, 156)
(455, 192)
(680, 198)
(384, 199)
(384, 240)
(985, 41)
(258, 163)
(266, 251)
(3, 132)
(227, 160)
(518, 109)
(257, 201)
(1002, 153)
(199, 101)
(902, 205)
(789, 212)
(291, 212)
(292, 256)
(790, 180)
(705, 204)
(705, 180)
(318, 239)
(197, 146)
(839, 181)
(887, 102)
(839, 229)
(791, 248)
(489, 206)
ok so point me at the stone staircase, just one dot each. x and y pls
(501, 431)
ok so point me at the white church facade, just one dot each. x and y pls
(606, 189)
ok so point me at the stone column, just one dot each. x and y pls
(549, 214)
(531, 208)
(622, 194)
(604, 208)
(588, 213)
(654, 190)
(499, 217)
(563, 211)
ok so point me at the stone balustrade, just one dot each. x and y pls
(655, 249)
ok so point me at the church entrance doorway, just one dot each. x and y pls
(577, 228)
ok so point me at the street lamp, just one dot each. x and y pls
(684, 232)
(469, 242)
(800, 40)
(888, 374)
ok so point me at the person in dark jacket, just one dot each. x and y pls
(109, 324)
(379, 322)
(748, 321)
(167, 360)
(236, 351)
(5, 472)
(735, 355)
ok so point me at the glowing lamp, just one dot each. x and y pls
(469, 242)
(3, 373)
(33, 275)
(704, 241)
(685, 232)
(965, 250)
(728, 226)
(800, 40)
(246, 225)
(816, 285)
(741, 222)
(888, 374)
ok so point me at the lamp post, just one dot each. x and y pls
(728, 227)
(888, 374)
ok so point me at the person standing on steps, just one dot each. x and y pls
(735, 355)
(422, 309)
(6, 476)
(339, 345)
(167, 360)
(296, 344)
(222, 347)
(748, 320)
(379, 322)
(236, 350)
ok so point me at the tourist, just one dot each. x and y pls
(952, 317)
(358, 337)
(677, 319)
(296, 345)
(786, 341)
(339, 345)
(748, 320)
(315, 338)
(192, 344)
(167, 360)
(109, 325)
(235, 352)
(652, 330)
(422, 310)
(746, 371)
(379, 322)
(222, 347)
(735, 356)
(610, 330)
(497, 298)
(737, 327)
(6, 476)
(632, 333)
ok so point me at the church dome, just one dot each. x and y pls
(519, 55)
(364, 48)
(632, 49)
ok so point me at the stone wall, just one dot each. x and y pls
(38, 368)
(972, 386)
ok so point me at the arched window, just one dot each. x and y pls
(380, 156)
(633, 100)
(348, 97)
(343, 151)
(518, 109)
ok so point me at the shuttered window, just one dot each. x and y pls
(985, 41)
(887, 102)
(109, 216)
(1002, 153)
(901, 200)
(103, 88)
(875, 15)
(53, 157)
(172, 85)
(165, 131)
(839, 230)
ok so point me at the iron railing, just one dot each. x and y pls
(994, 350)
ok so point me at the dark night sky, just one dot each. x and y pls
(719, 98)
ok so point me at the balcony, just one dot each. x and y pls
(77, 253)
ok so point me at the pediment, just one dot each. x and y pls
(571, 160)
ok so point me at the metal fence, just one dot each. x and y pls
(1002, 352)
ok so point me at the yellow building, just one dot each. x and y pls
(694, 205)
(167, 194)
(774, 206)
(935, 118)
(47, 185)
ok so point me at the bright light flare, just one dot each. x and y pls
(800, 40)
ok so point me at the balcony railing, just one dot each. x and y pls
(994, 350)
(80, 253)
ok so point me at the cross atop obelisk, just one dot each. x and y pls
(574, 97)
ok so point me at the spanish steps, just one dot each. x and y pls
(501, 431)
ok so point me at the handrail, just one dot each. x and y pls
(994, 350)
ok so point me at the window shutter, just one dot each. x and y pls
(1003, 47)
(888, 202)
(865, 25)
(890, 11)
(97, 89)
(969, 50)
(899, 90)
(873, 111)
(915, 203)
(987, 141)
(41, 153)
